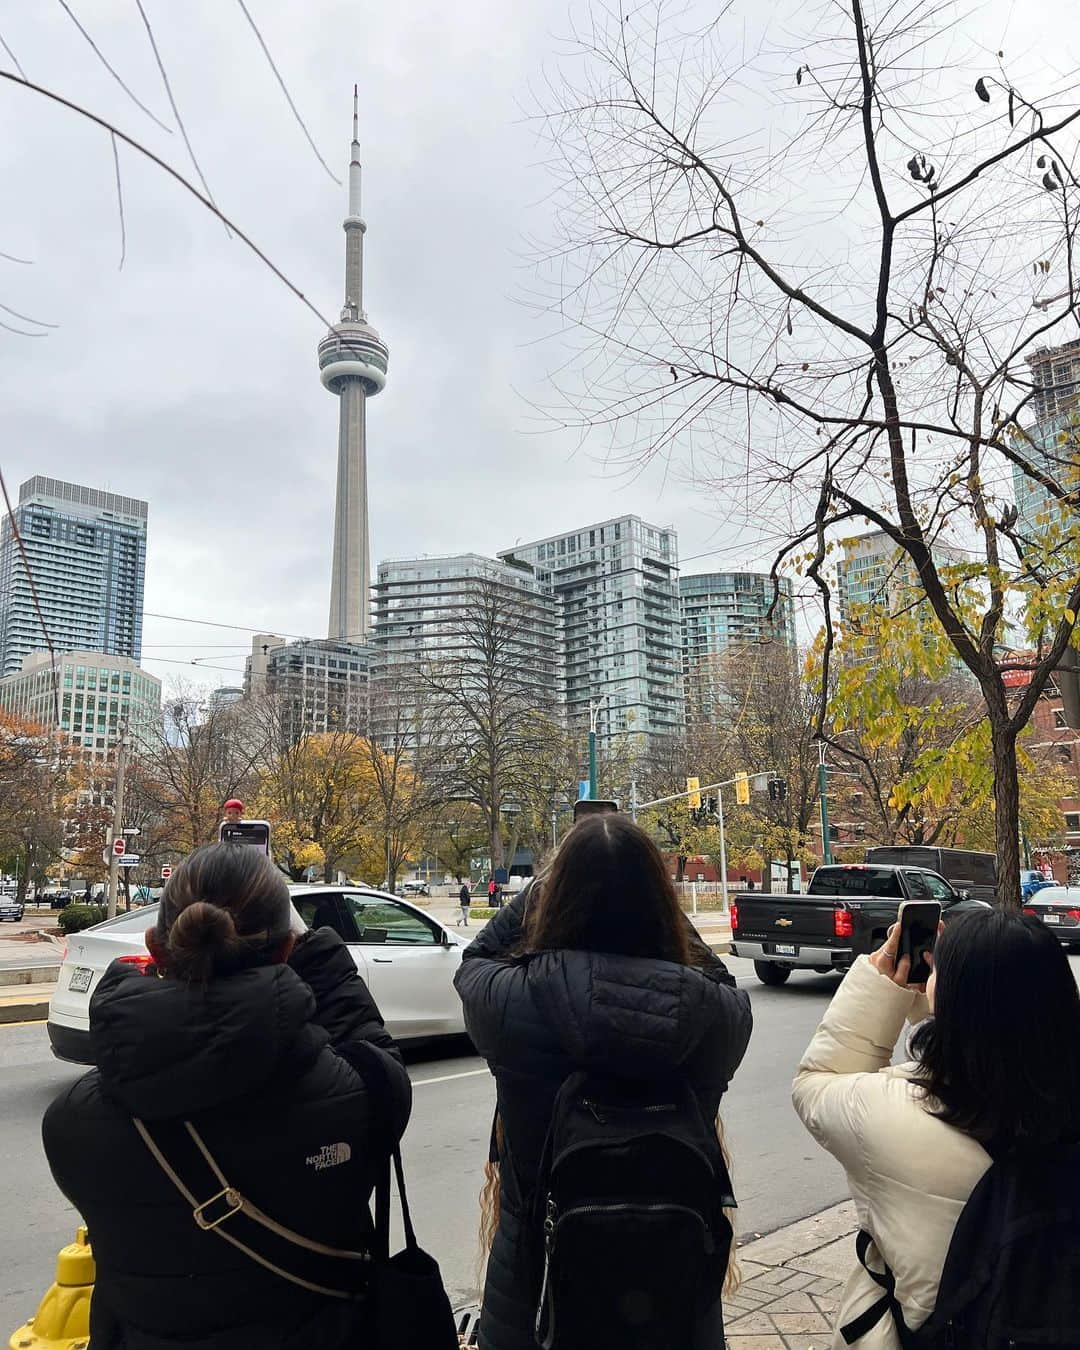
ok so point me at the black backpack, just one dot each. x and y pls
(1012, 1274)
(631, 1239)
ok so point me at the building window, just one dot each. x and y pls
(1059, 720)
(1072, 822)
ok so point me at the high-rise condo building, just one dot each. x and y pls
(87, 555)
(470, 612)
(311, 687)
(729, 617)
(874, 572)
(617, 587)
(1055, 372)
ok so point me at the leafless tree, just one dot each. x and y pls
(818, 276)
(490, 700)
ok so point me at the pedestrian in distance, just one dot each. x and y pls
(265, 1049)
(465, 901)
(962, 1162)
(612, 1032)
(493, 893)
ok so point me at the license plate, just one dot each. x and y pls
(80, 980)
(1051, 918)
(781, 950)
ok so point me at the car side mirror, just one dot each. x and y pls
(444, 938)
(964, 895)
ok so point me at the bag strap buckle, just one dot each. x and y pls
(233, 1200)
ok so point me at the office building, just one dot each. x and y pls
(1055, 372)
(726, 617)
(352, 365)
(617, 587)
(87, 555)
(99, 695)
(470, 610)
(313, 687)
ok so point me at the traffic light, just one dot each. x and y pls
(742, 789)
(693, 786)
(777, 789)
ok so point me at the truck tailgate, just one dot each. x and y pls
(802, 920)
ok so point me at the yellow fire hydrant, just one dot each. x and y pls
(63, 1316)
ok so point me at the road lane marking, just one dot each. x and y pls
(447, 1077)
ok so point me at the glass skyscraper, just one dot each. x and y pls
(87, 555)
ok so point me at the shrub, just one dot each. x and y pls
(481, 912)
(74, 918)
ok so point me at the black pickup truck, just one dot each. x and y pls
(846, 911)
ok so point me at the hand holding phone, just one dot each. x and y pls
(919, 923)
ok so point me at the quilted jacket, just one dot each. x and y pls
(910, 1174)
(616, 1013)
(259, 1060)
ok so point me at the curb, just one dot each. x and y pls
(31, 974)
(25, 1010)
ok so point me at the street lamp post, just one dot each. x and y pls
(594, 711)
(822, 779)
(826, 843)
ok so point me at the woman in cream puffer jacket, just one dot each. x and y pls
(912, 1153)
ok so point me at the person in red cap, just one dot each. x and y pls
(234, 810)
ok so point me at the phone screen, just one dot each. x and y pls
(919, 921)
(586, 806)
(254, 832)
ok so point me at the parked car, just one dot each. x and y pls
(407, 957)
(414, 888)
(11, 910)
(846, 911)
(1059, 909)
(58, 899)
(964, 869)
(1032, 881)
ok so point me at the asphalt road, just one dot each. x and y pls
(780, 1174)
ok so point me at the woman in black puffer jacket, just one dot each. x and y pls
(247, 1032)
(593, 967)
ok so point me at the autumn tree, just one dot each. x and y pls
(188, 765)
(34, 770)
(843, 312)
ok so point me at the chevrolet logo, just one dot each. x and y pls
(784, 923)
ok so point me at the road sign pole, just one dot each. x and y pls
(723, 847)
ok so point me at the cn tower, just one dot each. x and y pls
(352, 365)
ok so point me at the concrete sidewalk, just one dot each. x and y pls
(791, 1282)
(25, 1002)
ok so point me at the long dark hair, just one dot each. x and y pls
(608, 890)
(1001, 1056)
(225, 907)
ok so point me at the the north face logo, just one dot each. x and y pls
(330, 1155)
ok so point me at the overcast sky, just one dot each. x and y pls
(189, 377)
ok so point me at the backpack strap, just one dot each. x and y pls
(888, 1303)
(185, 1159)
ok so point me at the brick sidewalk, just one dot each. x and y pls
(791, 1284)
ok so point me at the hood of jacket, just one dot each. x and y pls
(616, 1012)
(165, 1048)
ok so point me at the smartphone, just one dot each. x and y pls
(919, 920)
(586, 806)
(254, 832)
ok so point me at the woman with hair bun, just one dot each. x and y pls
(272, 1048)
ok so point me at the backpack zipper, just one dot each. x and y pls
(598, 1109)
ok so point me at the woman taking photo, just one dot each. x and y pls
(246, 1032)
(995, 1070)
(593, 969)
